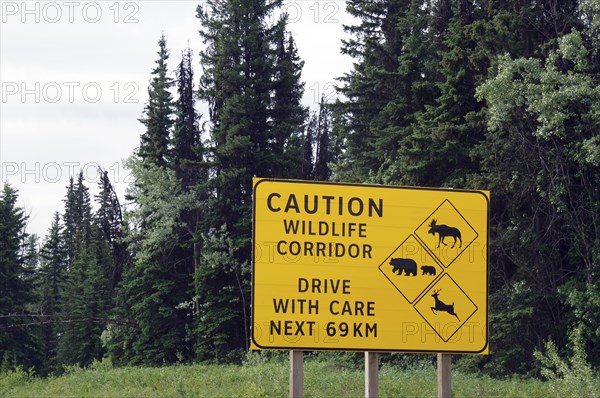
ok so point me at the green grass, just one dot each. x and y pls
(262, 378)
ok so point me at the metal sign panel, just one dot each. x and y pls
(369, 268)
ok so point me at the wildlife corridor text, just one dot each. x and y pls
(311, 238)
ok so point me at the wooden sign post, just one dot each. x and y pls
(444, 375)
(296, 374)
(371, 375)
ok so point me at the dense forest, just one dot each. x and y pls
(481, 94)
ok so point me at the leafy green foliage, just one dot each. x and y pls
(540, 117)
(222, 285)
(153, 286)
(573, 377)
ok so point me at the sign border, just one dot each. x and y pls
(258, 180)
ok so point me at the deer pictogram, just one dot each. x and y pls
(441, 306)
(443, 231)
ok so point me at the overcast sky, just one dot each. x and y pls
(74, 78)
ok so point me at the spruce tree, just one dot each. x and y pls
(326, 152)
(52, 277)
(154, 143)
(109, 218)
(436, 151)
(77, 216)
(309, 142)
(18, 344)
(156, 288)
(287, 115)
(155, 285)
(85, 298)
(190, 166)
(250, 73)
(85, 304)
(187, 150)
(389, 85)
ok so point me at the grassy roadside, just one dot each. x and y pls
(256, 379)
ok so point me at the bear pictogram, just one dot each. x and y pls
(407, 265)
(428, 270)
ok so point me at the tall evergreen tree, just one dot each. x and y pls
(326, 151)
(86, 304)
(190, 166)
(187, 148)
(389, 85)
(52, 276)
(18, 344)
(287, 115)
(109, 218)
(246, 85)
(77, 216)
(154, 144)
(156, 288)
(436, 152)
(308, 156)
(85, 297)
(155, 285)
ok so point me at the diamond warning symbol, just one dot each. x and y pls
(411, 269)
(446, 307)
(446, 233)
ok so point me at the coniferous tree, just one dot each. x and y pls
(308, 156)
(154, 144)
(389, 85)
(154, 286)
(109, 218)
(287, 114)
(156, 289)
(187, 147)
(325, 153)
(77, 217)
(18, 344)
(85, 298)
(436, 151)
(52, 276)
(243, 75)
(85, 304)
(157, 286)
(188, 154)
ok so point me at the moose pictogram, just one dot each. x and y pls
(441, 306)
(443, 231)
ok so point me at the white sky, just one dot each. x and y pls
(74, 78)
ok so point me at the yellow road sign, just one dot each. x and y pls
(369, 268)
